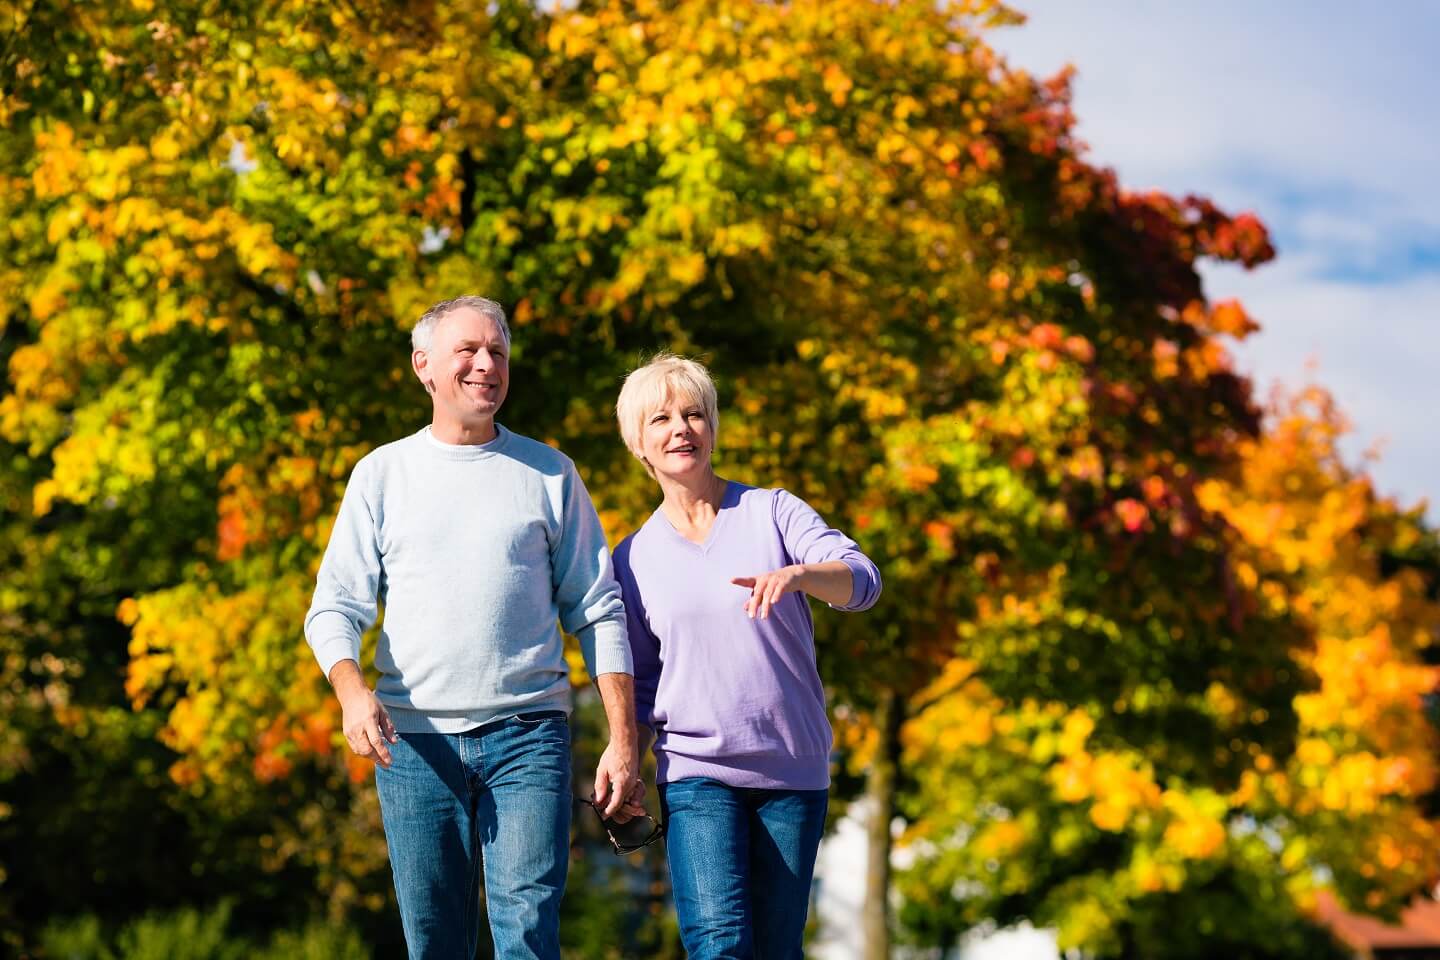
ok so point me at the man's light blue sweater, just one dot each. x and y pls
(475, 552)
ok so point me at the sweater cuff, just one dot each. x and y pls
(606, 648)
(860, 581)
(332, 638)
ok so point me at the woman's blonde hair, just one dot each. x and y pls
(647, 388)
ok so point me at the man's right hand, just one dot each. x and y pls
(363, 717)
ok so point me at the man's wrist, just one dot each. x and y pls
(347, 680)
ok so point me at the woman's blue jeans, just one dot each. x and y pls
(741, 861)
(497, 795)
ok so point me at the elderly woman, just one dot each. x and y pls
(716, 586)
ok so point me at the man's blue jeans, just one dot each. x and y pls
(500, 792)
(741, 861)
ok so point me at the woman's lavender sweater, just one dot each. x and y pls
(731, 698)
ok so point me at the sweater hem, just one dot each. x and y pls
(407, 720)
(761, 770)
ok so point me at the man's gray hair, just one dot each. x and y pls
(424, 328)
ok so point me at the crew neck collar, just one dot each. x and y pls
(464, 451)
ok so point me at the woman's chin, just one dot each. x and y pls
(685, 471)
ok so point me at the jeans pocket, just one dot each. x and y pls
(539, 718)
(548, 727)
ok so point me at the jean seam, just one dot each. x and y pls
(472, 899)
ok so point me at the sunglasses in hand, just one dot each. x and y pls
(631, 835)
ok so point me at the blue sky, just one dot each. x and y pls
(1324, 119)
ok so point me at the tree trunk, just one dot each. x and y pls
(880, 791)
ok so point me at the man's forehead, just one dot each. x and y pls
(467, 323)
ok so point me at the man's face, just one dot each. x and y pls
(467, 368)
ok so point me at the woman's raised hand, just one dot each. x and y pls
(766, 589)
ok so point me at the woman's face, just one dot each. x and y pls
(676, 439)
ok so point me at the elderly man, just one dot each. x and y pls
(476, 540)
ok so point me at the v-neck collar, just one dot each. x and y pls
(726, 501)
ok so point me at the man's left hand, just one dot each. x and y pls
(619, 792)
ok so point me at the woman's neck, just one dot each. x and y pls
(691, 506)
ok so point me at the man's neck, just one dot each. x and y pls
(462, 433)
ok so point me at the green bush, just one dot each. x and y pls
(191, 934)
(81, 938)
(318, 941)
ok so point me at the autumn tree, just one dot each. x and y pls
(1022, 391)
(928, 315)
(1112, 841)
(1362, 574)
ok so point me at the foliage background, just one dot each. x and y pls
(1146, 655)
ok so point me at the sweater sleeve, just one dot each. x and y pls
(348, 586)
(644, 645)
(586, 593)
(808, 539)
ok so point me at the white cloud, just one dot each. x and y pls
(1315, 116)
(1371, 345)
(1195, 96)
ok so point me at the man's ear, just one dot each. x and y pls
(419, 362)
